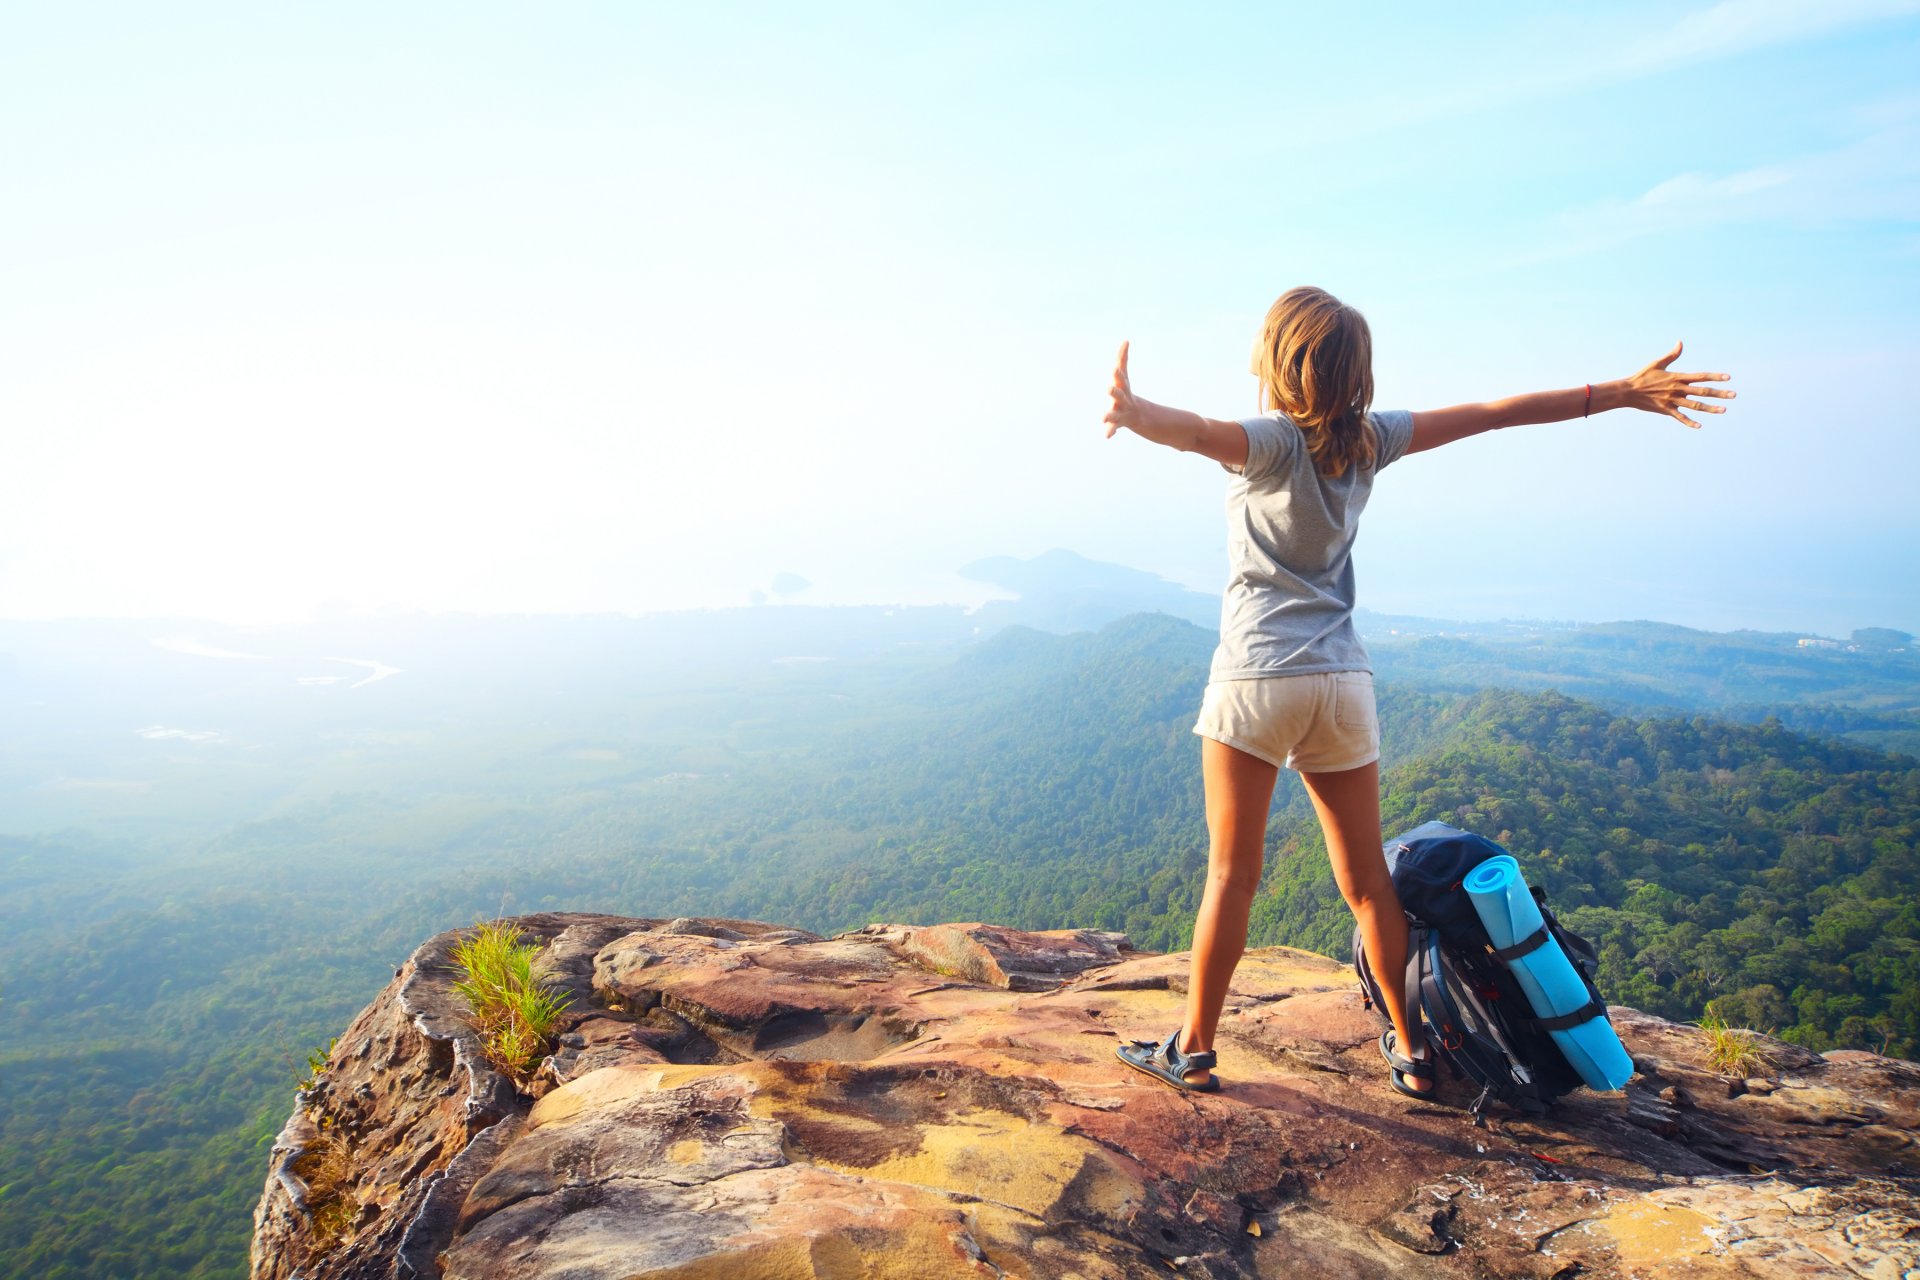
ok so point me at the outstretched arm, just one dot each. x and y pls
(1176, 428)
(1653, 389)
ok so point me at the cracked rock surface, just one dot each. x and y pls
(735, 1100)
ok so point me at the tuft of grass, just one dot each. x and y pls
(513, 1009)
(327, 1169)
(1734, 1051)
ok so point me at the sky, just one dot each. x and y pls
(632, 307)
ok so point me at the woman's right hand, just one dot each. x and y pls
(1126, 410)
(1658, 391)
(1224, 442)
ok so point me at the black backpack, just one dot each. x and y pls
(1477, 1018)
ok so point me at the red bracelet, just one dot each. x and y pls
(1584, 412)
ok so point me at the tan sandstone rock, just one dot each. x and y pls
(732, 1100)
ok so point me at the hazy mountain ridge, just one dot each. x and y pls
(74, 695)
(1658, 665)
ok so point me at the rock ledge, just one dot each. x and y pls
(731, 1099)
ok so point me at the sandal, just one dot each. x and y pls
(1399, 1069)
(1165, 1062)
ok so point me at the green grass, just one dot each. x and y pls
(504, 986)
(317, 1060)
(1734, 1051)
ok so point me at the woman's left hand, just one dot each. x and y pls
(1658, 389)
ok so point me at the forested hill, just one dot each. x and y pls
(1770, 873)
(1045, 781)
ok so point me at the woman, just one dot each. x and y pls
(1290, 684)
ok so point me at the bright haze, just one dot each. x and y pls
(631, 307)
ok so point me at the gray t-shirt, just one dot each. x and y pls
(1288, 607)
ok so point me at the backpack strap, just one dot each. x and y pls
(1410, 978)
(1591, 1009)
(1531, 943)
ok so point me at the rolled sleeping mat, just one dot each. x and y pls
(1553, 986)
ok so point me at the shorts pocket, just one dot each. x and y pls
(1353, 701)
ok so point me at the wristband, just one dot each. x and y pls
(1589, 409)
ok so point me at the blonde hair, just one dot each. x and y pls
(1315, 364)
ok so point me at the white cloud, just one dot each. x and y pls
(156, 733)
(1883, 113)
(1737, 26)
(1501, 77)
(1872, 179)
(1693, 189)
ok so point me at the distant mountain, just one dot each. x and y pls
(1062, 591)
(1865, 690)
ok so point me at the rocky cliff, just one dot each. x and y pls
(733, 1100)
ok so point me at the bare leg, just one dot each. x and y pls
(1348, 803)
(1239, 792)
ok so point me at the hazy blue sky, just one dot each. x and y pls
(633, 306)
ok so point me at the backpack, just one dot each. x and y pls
(1477, 1019)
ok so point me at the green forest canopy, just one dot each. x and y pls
(155, 1016)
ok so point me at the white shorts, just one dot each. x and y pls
(1321, 722)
